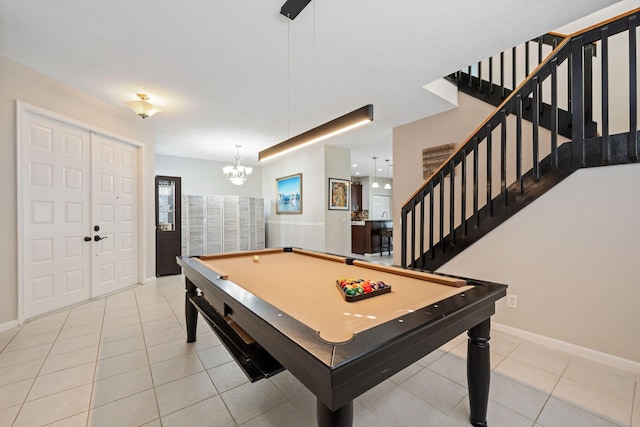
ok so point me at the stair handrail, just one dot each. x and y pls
(580, 115)
(483, 125)
(420, 195)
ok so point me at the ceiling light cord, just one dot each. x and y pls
(314, 49)
(375, 174)
(288, 78)
(387, 186)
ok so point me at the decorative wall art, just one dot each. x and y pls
(289, 194)
(338, 194)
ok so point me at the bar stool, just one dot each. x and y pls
(386, 240)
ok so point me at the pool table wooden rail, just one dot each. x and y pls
(337, 373)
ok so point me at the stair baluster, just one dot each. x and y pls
(525, 101)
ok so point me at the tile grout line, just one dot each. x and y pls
(146, 350)
(546, 401)
(95, 369)
(39, 370)
(635, 414)
(288, 401)
(205, 371)
(197, 355)
(173, 308)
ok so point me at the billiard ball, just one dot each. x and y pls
(256, 258)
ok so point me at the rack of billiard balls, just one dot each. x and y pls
(358, 289)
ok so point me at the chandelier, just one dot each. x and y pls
(237, 173)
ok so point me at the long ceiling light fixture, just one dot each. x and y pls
(291, 8)
(356, 118)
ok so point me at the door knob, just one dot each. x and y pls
(98, 238)
(87, 238)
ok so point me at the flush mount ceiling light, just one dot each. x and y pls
(143, 108)
(375, 175)
(359, 117)
(237, 173)
(291, 8)
(387, 186)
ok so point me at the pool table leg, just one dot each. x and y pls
(478, 372)
(341, 417)
(190, 311)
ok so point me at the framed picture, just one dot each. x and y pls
(338, 194)
(289, 194)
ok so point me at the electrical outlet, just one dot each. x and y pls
(512, 301)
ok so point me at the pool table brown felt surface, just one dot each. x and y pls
(303, 285)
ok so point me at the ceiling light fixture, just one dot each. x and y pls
(375, 176)
(291, 8)
(143, 108)
(237, 173)
(356, 118)
(387, 186)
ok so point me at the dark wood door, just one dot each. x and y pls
(356, 197)
(168, 224)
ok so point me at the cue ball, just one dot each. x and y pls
(256, 258)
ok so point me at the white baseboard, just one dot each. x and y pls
(576, 350)
(149, 281)
(8, 325)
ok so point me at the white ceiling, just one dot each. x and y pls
(230, 72)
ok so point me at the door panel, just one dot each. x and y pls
(55, 173)
(168, 224)
(115, 195)
(71, 180)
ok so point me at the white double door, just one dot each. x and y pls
(79, 214)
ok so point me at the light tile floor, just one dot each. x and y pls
(123, 361)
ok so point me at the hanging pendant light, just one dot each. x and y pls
(344, 123)
(354, 119)
(387, 186)
(237, 173)
(375, 175)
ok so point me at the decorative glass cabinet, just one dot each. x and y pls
(168, 229)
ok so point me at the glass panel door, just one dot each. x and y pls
(166, 205)
(168, 221)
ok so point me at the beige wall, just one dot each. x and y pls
(305, 230)
(569, 256)
(455, 126)
(337, 164)
(200, 177)
(317, 228)
(21, 83)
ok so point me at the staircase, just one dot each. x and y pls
(515, 66)
(568, 113)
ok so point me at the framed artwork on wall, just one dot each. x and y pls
(289, 194)
(338, 194)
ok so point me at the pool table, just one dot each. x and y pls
(283, 310)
